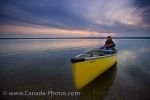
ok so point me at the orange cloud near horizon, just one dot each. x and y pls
(40, 30)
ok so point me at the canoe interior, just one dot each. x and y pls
(97, 53)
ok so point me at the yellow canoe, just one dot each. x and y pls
(87, 66)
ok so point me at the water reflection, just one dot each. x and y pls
(25, 46)
(125, 56)
(98, 88)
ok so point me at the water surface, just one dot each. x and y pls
(44, 64)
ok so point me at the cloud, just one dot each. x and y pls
(144, 8)
(112, 16)
(48, 31)
(54, 13)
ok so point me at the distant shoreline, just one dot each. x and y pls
(82, 38)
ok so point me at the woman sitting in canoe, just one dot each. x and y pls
(109, 43)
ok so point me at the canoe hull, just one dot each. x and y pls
(86, 71)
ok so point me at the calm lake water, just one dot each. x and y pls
(43, 65)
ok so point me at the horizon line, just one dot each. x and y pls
(73, 37)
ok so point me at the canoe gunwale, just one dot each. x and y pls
(73, 60)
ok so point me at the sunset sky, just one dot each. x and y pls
(74, 18)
